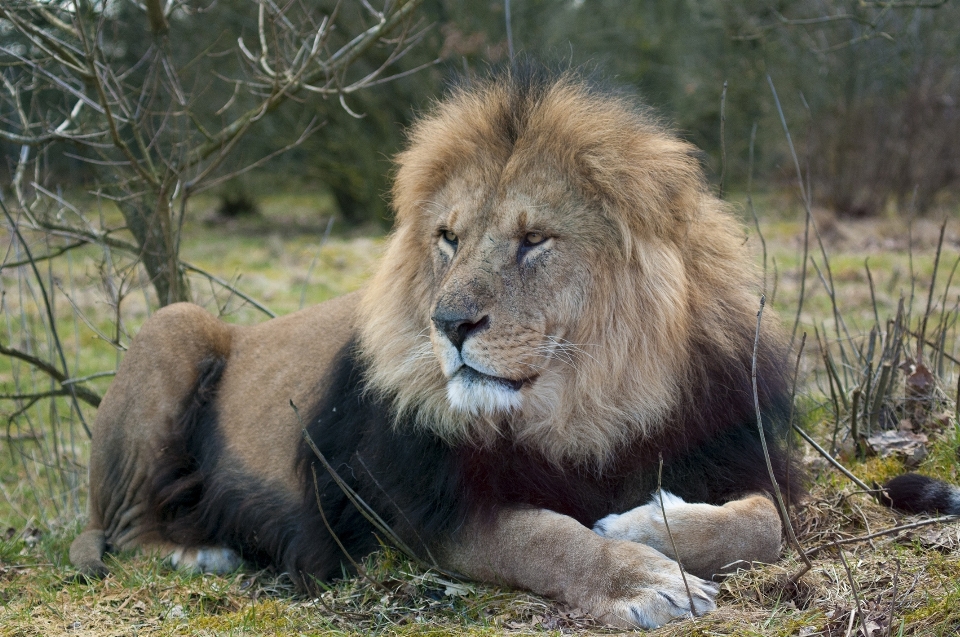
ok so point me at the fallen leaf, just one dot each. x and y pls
(912, 447)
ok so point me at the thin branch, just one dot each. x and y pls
(49, 310)
(723, 139)
(83, 393)
(365, 509)
(784, 514)
(895, 529)
(43, 257)
(793, 404)
(663, 512)
(339, 61)
(336, 538)
(853, 589)
(226, 285)
(107, 111)
(192, 187)
(893, 598)
(510, 45)
(933, 283)
(823, 452)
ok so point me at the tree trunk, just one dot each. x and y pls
(149, 220)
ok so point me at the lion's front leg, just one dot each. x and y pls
(709, 540)
(621, 583)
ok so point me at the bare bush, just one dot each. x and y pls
(138, 113)
(149, 101)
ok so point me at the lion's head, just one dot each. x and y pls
(556, 258)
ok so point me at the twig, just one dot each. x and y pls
(49, 311)
(933, 282)
(886, 370)
(663, 512)
(895, 529)
(723, 145)
(83, 379)
(83, 393)
(793, 403)
(336, 538)
(809, 218)
(873, 296)
(946, 292)
(44, 257)
(225, 284)
(376, 483)
(854, 423)
(853, 589)
(365, 509)
(784, 515)
(823, 452)
(506, 6)
(893, 597)
(756, 219)
(31, 400)
(934, 346)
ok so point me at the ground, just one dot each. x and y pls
(907, 582)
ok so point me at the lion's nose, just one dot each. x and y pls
(458, 328)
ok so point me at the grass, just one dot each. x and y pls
(282, 260)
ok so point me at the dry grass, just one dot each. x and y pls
(907, 583)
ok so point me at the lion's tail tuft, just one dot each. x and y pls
(914, 493)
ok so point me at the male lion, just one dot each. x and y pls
(562, 303)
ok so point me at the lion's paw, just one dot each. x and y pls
(639, 587)
(637, 524)
(208, 559)
(652, 607)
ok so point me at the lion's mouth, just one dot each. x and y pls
(471, 375)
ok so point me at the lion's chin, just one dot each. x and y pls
(477, 393)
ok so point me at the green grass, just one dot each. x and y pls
(278, 259)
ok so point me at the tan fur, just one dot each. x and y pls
(707, 540)
(621, 583)
(581, 172)
(595, 323)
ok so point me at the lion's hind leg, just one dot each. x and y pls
(86, 552)
(149, 435)
(710, 540)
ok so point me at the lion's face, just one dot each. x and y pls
(511, 272)
(540, 284)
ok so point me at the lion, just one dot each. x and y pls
(550, 366)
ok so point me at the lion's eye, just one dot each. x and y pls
(450, 237)
(533, 238)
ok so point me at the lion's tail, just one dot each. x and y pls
(914, 493)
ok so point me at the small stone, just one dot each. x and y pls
(176, 612)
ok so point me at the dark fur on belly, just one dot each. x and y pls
(426, 490)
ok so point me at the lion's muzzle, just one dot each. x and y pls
(457, 327)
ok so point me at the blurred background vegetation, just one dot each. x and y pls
(870, 88)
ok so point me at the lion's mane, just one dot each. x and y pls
(673, 290)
